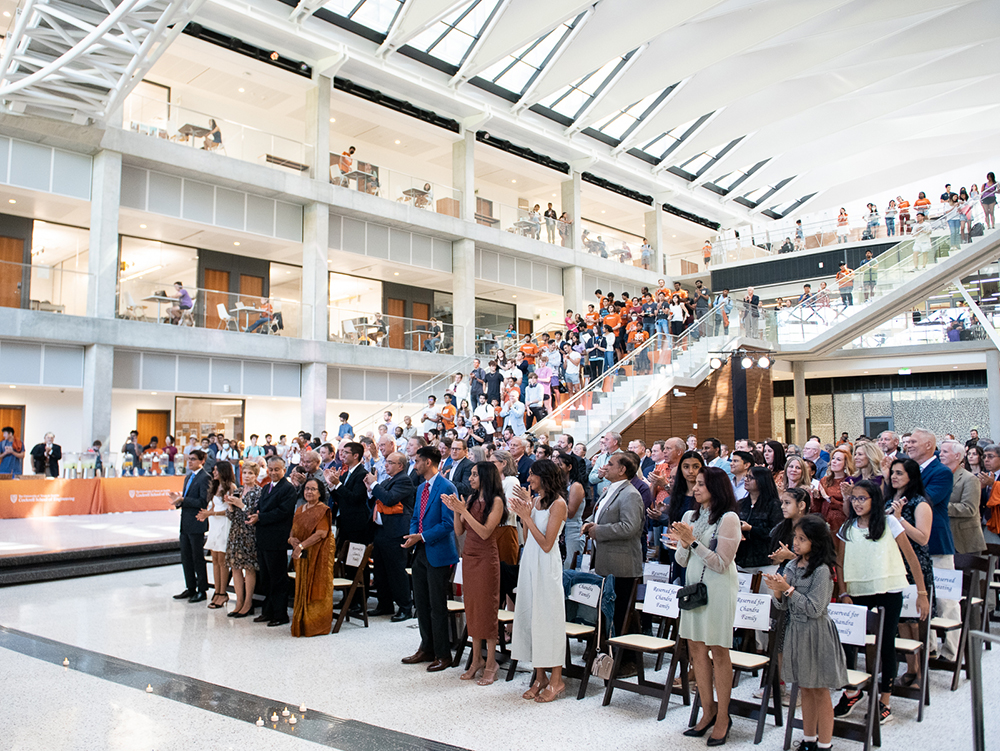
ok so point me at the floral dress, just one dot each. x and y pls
(909, 514)
(241, 550)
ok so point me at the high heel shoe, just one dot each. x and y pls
(470, 674)
(549, 694)
(535, 690)
(489, 675)
(721, 741)
(694, 733)
(244, 615)
(213, 605)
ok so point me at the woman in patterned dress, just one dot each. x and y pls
(241, 549)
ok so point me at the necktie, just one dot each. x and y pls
(424, 498)
(188, 483)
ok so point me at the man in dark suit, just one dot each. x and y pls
(460, 471)
(432, 535)
(349, 497)
(391, 507)
(192, 500)
(273, 524)
(413, 445)
(45, 457)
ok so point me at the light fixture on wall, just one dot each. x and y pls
(743, 357)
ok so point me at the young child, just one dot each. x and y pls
(874, 576)
(812, 655)
(794, 505)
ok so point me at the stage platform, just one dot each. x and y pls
(42, 548)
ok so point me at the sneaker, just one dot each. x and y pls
(846, 704)
(806, 746)
(884, 713)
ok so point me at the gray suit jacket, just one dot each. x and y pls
(618, 535)
(963, 513)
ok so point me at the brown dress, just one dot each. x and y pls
(481, 579)
(313, 611)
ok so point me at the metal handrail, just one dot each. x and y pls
(976, 638)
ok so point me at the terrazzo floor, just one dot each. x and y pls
(46, 534)
(355, 674)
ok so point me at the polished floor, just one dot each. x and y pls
(48, 534)
(122, 631)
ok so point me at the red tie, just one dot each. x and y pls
(424, 498)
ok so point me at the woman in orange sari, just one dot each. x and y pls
(312, 553)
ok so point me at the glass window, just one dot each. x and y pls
(494, 316)
(199, 416)
(352, 298)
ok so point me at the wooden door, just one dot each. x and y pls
(421, 312)
(525, 326)
(396, 310)
(251, 289)
(150, 422)
(12, 416)
(216, 291)
(11, 277)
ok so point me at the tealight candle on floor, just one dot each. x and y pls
(149, 688)
(302, 708)
(274, 717)
(285, 712)
(260, 722)
(65, 661)
(292, 720)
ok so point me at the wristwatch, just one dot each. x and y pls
(694, 545)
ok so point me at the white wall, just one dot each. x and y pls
(45, 410)
(272, 415)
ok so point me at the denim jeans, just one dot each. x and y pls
(953, 227)
(890, 226)
(662, 325)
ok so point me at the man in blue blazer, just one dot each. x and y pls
(432, 535)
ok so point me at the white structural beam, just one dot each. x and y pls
(415, 17)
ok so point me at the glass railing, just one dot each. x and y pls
(188, 127)
(934, 326)
(396, 186)
(524, 222)
(51, 289)
(157, 302)
(393, 332)
(624, 250)
(829, 306)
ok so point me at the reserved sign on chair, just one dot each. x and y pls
(948, 584)
(586, 594)
(355, 554)
(851, 622)
(753, 611)
(661, 599)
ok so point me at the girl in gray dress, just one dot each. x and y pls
(812, 654)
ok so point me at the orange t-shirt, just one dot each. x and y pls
(842, 220)
(529, 351)
(845, 278)
(681, 293)
(614, 321)
(591, 318)
(639, 336)
(448, 413)
(346, 162)
(632, 328)
(707, 251)
(904, 206)
(921, 204)
(602, 302)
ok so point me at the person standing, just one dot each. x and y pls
(432, 535)
(988, 200)
(707, 540)
(869, 275)
(273, 527)
(45, 456)
(478, 516)
(222, 484)
(845, 283)
(550, 223)
(349, 496)
(313, 553)
(241, 548)
(963, 508)
(190, 501)
(11, 454)
(391, 503)
(751, 313)
(540, 609)
(610, 444)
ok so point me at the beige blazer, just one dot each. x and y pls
(963, 512)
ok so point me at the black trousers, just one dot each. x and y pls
(623, 594)
(193, 562)
(273, 566)
(391, 581)
(533, 415)
(430, 596)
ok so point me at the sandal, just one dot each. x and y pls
(536, 688)
(213, 605)
(489, 675)
(469, 674)
(549, 694)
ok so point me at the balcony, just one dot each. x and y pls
(49, 289)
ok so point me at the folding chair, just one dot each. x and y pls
(350, 587)
(921, 648)
(658, 645)
(980, 569)
(456, 613)
(868, 732)
(744, 662)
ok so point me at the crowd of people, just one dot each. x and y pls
(858, 522)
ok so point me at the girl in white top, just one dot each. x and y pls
(873, 575)
(223, 483)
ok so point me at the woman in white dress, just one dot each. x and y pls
(222, 484)
(540, 613)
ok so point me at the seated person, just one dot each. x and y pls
(266, 311)
(183, 303)
(213, 139)
(786, 247)
(426, 199)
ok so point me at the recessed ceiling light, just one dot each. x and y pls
(514, 296)
(153, 393)
(673, 235)
(142, 226)
(11, 200)
(513, 181)
(602, 211)
(288, 272)
(6, 14)
(13, 387)
(235, 243)
(397, 142)
(395, 273)
(241, 89)
(553, 195)
(333, 119)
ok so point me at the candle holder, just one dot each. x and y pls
(292, 720)
(65, 662)
(302, 709)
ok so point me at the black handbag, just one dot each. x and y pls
(696, 595)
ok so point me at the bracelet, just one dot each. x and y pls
(922, 594)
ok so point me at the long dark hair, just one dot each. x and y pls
(779, 455)
(876, 516)
(552, 480)
(490, 489)
(227, 479)
(783, 529)
(680, 490)
(979, 452)
(766, 489)
(721, 491)
(822, 552)
(915, 487)
(577, 470)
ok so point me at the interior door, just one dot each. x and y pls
(251, 289)
(12, 415)
(11, 277)
(874, 426)
(396, 310)
(525, 326)
(421, 312)
(216, 292)
(150, 422)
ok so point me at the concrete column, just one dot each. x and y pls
(313, 401)
(315, 272)
(993, 387)
(463, 168)
(463, 280)
(572, 205)
(98, 367)
(654, 236)
(317, 154)
(573, 291)
(103, 257)
(801, 404)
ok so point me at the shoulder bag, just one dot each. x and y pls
(696, 595)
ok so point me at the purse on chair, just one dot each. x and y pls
(604, 662)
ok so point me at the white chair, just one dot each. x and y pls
(224, 318)
(187, 316)
(133, 312)
(350, 331)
